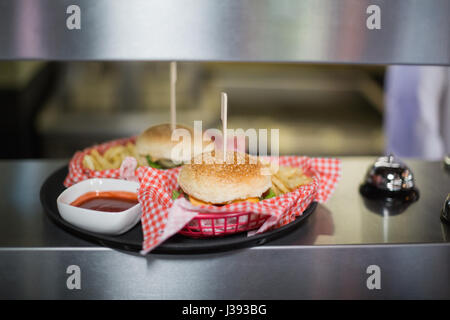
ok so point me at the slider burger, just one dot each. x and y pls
(154, 147)
(211, 181)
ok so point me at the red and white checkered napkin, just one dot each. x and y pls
(162, 217)
(78, 173)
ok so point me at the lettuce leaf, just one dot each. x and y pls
(270, 194)
(175, 194)
(152, 164)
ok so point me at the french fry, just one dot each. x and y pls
(118, 151)
(92, 161)
(276, 190)
(279, 184)
(130, 148)
(287, 179)
(116, 162)
(298, 181)
(88, 162)
(108, 153)
(112, 158)
(132, 152)
(286, 172)
(103, 163)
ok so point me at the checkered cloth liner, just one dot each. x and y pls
(78, 173)
(162, 217)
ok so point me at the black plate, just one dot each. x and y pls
(132, 240)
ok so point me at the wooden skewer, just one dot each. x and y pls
(223, 117)
(173, 101)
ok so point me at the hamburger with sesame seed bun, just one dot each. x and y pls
(154, 147)
(209, 180)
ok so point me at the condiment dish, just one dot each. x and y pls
(104, 222)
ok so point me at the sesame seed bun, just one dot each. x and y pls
(211, 180)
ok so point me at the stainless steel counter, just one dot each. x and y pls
(326, 257)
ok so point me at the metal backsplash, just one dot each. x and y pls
(321, 31)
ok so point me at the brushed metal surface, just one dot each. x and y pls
(24, 222)
(326, 258)
(344, 219)
(330, 31)
(323, 272)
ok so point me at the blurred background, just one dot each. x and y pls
(51, 110)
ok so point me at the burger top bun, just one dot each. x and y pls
(211, 180)
(157, 143)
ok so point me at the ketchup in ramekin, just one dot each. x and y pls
(107, 201)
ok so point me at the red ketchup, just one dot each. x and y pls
(109, 201)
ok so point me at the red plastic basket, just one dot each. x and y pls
(77, 172)
(213, 225)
